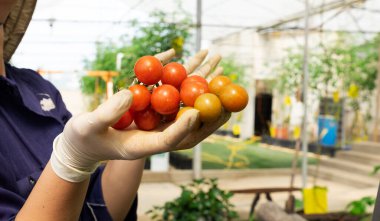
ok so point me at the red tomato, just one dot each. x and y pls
(209, 107)
(148, 70)
(147, 119)
(141, 97)
(194, 78)
(170, 117)
(165, 99)
(191, 90)
(234, 98)
(173, 73)
(124, 121)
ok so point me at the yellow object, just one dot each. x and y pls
(177, 44)
(236, 130)
(297, 132)
(353, 91)
(336, 96)
(287, 101)
(233, 77)
(272, 131)
(315, 200)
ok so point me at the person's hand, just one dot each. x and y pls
(89, 138)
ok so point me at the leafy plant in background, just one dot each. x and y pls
(233, 70)
(149, 39)
(375, 170)
(360, 207)
(200, 200)
(341, 66)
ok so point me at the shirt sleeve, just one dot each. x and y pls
(94, 207)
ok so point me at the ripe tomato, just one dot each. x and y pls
(209, 107)
(234, 98)
(141, 97)
(173, 73)
(165, 99)
(147, 119)
(191, 90)
(148, 70)
(218, 83)
(124, 121)
(170, 117)
(194, 78)
(183, 110)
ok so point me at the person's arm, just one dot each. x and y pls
(120, 182)
(53, 198)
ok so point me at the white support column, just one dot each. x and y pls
(197, 156)
(304, 89)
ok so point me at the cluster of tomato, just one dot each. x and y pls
(154, 103)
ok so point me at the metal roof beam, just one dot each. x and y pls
(313, 11)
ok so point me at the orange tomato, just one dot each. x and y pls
(217, 84)
(234, 98)
(209, 107)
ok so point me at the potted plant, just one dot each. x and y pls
(200, 200)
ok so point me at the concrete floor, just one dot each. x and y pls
(339, 195)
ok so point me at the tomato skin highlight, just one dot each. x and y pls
(234, 98)
(147, 119)
(173, 73)
(141, 97)
(218, 83)
(148, 70)
(165, 99)
(124, 121)
(209, 106)
(194, 78)
(191, 90)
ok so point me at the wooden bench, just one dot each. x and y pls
(266, 191)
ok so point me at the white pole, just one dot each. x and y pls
(304, 88)
(119, 57)
(197, 156)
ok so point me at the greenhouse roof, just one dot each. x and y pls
(63, 33)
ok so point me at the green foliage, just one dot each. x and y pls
(332, 67)
(290, 72)
(200, 199)
(360, 207)
(155, 37)
(376, 170)
(298, 204)
(234, 71)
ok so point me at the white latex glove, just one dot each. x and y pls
(88, 138)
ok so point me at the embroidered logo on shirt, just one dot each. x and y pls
(46, 102)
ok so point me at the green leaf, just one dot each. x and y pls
(375, 170)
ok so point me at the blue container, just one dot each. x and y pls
(327, 131)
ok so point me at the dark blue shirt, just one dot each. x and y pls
(32, 114)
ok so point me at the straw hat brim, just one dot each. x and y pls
(16, 24)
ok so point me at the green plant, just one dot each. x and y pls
(375, 170)
(200, 200)
(343, 68)
(360, 207)
(233, 70)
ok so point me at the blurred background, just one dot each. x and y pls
(318, 154)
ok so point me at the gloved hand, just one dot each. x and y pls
(88, 139)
